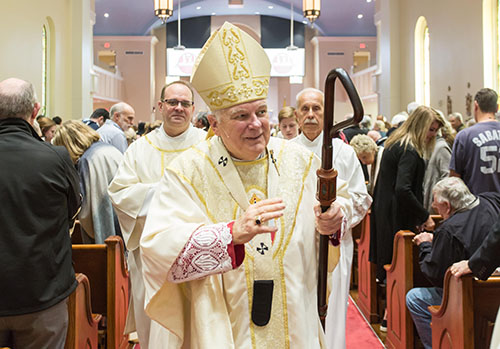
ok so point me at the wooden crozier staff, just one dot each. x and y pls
(327, 176)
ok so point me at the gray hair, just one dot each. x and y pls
(457, 116)
(17, 99)
(306, 90)
(363, 144)
(117, 108)
(454, 191)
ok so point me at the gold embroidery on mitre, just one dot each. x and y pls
(231, 94)
(242, 73)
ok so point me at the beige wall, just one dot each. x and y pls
(456, 54)
(135, 58)
(69, 24)
(338, 52)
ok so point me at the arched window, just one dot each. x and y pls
(422, 62)
(43, 96)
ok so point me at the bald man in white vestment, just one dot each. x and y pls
(133, 186)
(229, 248)
(310, 113)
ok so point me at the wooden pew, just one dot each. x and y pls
(104, 264)
(367, 288)
(402, 275)
(82, 324)
(467, 313)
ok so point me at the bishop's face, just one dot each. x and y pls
(243, 128)
(309, 113)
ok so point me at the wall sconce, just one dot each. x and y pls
(311, 9)
(164, 9)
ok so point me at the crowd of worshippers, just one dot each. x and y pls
(214, 202)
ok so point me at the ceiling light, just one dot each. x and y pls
(257, 13)
(368, 0)
(198, 7)
(270, 7)
(360, 16)
(311, 9)
(164, 9)
(106, 15)
(213, 13)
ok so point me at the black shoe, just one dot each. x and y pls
(383, 326)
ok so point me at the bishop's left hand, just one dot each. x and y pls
(329, 222)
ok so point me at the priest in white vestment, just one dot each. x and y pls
(309, 112)
(229, 248)
(133, 186)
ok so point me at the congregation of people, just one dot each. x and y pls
(218, 213)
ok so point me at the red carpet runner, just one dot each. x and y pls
(359, 334)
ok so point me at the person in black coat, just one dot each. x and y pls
(40, 198)
(398, 195)
(485, 260)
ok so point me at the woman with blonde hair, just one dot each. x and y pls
(398, 194)
(48, 128)
(97, 163)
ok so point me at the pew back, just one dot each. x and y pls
(367, 287)
(467, 314)
(402, 275)
(82, 324)
(104, 264)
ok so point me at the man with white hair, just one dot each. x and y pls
(229, 246)
(310, 113)
(113, 130)
(457, 121)
(40, 199)
(467, 220)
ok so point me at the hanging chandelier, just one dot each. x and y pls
(164, 9)
(311, 9)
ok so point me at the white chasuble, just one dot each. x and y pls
(131, 191)
(206, 187)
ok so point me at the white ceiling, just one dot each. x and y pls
(136, 17)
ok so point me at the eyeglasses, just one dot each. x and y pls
(175, 103)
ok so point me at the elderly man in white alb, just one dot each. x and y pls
(309, 113)
(229, 248)
(133, 186)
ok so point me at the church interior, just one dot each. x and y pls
(81, 55)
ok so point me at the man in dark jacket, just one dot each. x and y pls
(40, 198)
(467, 222)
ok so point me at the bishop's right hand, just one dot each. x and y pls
(252, 221)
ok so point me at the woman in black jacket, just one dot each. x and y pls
(398, 195)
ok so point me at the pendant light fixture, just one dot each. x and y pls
(164, 9)
(311, 9)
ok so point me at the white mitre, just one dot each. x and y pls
(232, 68)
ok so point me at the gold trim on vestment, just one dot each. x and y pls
(163, 151)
